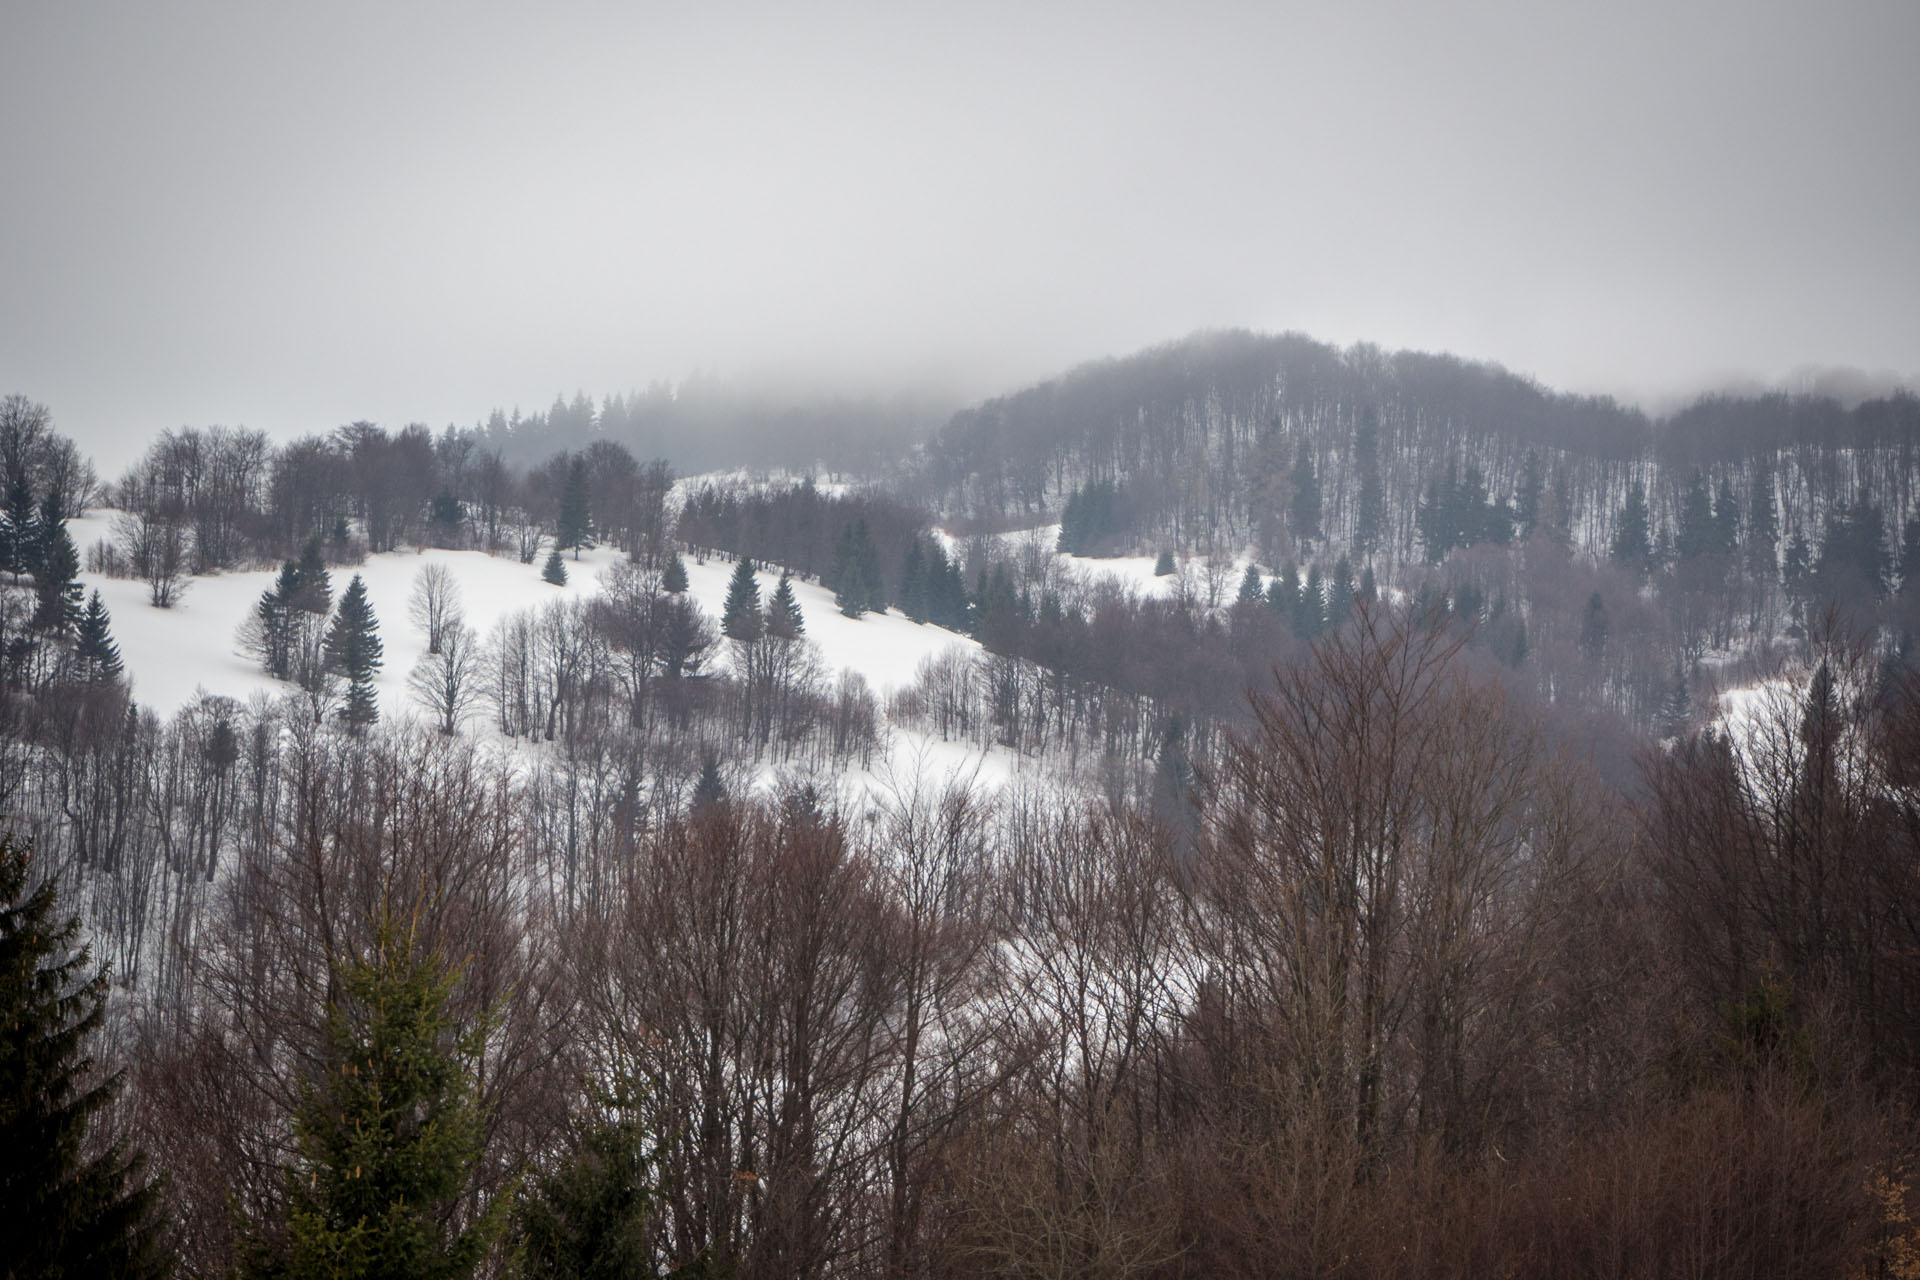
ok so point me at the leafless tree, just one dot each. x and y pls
(434, 603)
(446, 683)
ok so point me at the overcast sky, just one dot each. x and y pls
(291, 216)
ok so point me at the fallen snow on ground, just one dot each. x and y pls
(173, 654)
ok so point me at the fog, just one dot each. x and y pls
(292, 217)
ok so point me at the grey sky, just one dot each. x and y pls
(292, 216)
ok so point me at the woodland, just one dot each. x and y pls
(1489, 846)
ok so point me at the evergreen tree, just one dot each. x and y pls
(1697, 535)
(574, 529)
(784, 620)
(1632, 547)
(946, 592)
(674, 580)
(1763, 527)
(313, 585)
(710, 789)
(1164, 565)
(1370, 519)
(1532, 486)
(65, 1213)
(56, 581)
(1676, 709)
(94, 650)
(1340, 593)
(21, 541)
(857, 587)
(1304, 509)
(1283, 594)
(1310, 617)
(590, 1217)
(389, 1135)
(555, 569)
(353, 650)
(741, 619)
(913, 582)
(1594, 627)
(1369, 588)
(1252, 591)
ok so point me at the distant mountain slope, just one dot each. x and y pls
(1212, 437)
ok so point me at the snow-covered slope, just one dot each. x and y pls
(173, 655)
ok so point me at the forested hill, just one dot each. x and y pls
(1210, 438)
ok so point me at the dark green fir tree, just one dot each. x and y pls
(555, 569)
(57, 581)
(784, 620)
(1164, 565)
(574, 529)
(1252, 590)
(388, 1133)
(674, 580)
(94, 652)
(65, 1212)
(742, 619)
(590, 1215)
(353, 650)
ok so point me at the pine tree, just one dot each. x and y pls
(389, 1136)
(592, 1214)
(1594, 627)
(575, 526)
(1370, 520)
(674, 580)
(555, 569)
(741, 618)
(22, 540)
(94, 650)
(353, 650)
(313, 585)
(56, 581)
(1283, 593)
(784, 621)
(1164, 565)
(857, 586)
(710, 789)
(65, 1213)
(1632, 547)
(1696, 535)
(1252, 591)
(913, 582)
(1676, 709)
(1763, 527)
(1304, 510)
(1532, 487)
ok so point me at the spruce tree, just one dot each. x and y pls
(1252, 591)
(575, 526)
(784, 621)
(57, 581)
(913, 582)
(312, 585)
(1370, 519)
(1164, 565)
(389, 1134)
(591, 1215)
(710, 788)
(857, 585)
(353, 650)
(741, 618)
(674, 580)
(1632, 547)
(1304, 509)
(22, 541)
(94, 650)
(555, 570)
(65, 1213)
